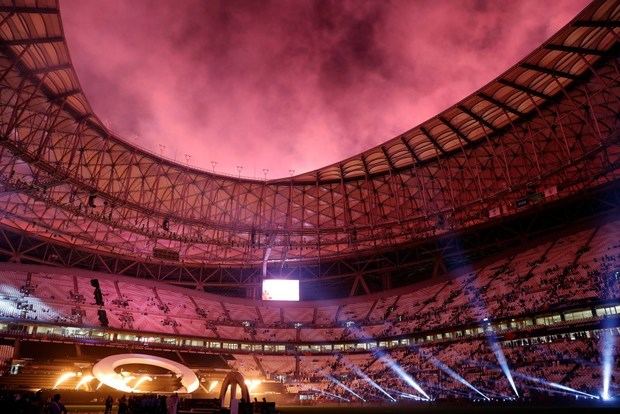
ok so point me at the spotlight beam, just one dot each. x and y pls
(407, 395)
(335, 381)
(140, 381)
(454, 375)
(556, 385)
(212, 385)
(403, 375)
(63, 377)
(360, 373)
(501, 358)
(552, 391)
(476, 301)
(607, 358)
(438, 388)
(377, 386)
(329, 394)
(84, 381)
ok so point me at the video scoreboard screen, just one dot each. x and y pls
(281, 289)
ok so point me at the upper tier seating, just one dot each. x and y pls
(569, 268)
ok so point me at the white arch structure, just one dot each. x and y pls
(104, 371)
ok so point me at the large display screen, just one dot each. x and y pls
(281, 289)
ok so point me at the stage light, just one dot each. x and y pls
(212, 385)
(607, 359)
(547, 390)
(407, 395)
(410, 396)
(252, 384)
(454, 375)
(329, 394)
(402, 374)
(128, 378)
(104, 371)
(335, 381)
(63, 377)
(377, 386)
(84, 381)
(140, 381)
(556, 385)
(117, 381)
(370, 381)
(501, 358)
(476, 301)
(496, 395)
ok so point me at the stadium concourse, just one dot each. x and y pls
(472, 263)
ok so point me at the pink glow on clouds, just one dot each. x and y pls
(291, 84)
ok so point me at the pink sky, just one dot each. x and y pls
(290, 85)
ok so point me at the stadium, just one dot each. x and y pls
(471, 263)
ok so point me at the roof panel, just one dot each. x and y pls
(309, 208)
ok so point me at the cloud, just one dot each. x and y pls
(290, 85)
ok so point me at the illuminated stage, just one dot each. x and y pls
(105, 372)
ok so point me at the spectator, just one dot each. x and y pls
(172, 402)
(57, 407)
(122, 405)
(108, 404)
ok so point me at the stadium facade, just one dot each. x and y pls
(475, 256)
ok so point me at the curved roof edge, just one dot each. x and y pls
(44, 56)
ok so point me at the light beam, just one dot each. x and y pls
(501, 358)
(62, 378)
(556, 385)
(329, 394)
(360, 373)
(335, 381)
(403, 375)
(140, 381)
(252, 384)
(84, 381)
(212, 385)
(454, 375)
(607, 358)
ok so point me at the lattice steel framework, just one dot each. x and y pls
(452, 252)
(549, 122)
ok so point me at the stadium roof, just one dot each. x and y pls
(548, 127)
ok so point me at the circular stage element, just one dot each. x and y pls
(104, 371)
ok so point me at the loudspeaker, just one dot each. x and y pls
(98, 297)
(103, 318)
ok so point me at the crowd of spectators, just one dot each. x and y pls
(27, 402)
(579, 267)
(571, 360)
